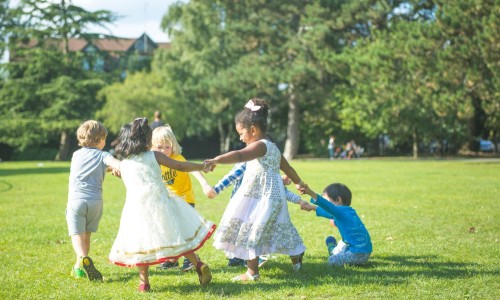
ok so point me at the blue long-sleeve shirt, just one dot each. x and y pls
(235, 177)
(350, 226)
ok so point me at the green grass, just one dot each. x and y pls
(435, 228)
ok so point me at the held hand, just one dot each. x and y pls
(211, 193)
(286, 180)
(302, 187)
(209, 165)
(307, 207)
(116, 173)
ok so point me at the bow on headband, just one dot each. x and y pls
(251, 106)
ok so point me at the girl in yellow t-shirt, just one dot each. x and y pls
(177, 182)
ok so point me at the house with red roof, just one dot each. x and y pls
(107, 54)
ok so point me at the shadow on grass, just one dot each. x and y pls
(31, 171)
(387, 270)
(398, 268)
(5, 186)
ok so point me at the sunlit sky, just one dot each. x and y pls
(136, 16)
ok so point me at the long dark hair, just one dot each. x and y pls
(134, 138)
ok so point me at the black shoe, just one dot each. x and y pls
(92, 273)
(168, 265)
(187, 265)
(235, 262)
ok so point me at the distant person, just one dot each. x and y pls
(84, 210)
(355, 247)
(157, 122)
(155, 225)
(331, 147)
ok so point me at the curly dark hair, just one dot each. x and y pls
(258, 118)
(339, 192)
(134, 138)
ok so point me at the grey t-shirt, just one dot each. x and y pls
(87, 174)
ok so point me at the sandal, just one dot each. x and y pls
(204, 274)
(248, 277)
(144, 287)
(92, 273)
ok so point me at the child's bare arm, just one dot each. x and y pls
(184, 166)
(112, 162)
(207, 188)
(252, 151)
(289, 170)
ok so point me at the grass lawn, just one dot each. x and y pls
(434, 224)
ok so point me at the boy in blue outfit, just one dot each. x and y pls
(355, 246)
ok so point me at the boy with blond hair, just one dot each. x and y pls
(84, 210)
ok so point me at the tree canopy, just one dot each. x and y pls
(417, 71)
(47, 91)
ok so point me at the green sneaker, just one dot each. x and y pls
(77, 273)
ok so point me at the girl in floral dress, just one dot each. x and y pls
(256, 220)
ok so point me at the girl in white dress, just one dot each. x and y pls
(256, 220)
(155, 225)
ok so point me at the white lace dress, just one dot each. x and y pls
(155, 224)
(256, 220)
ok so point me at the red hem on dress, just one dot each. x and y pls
(164, 259)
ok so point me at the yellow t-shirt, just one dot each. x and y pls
(178, 182)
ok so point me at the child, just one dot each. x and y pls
(179, 183)
(235, 177)
(84, 209)
(355, 247)
(155, 225)
(256, 220)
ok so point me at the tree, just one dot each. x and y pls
(410, 80)
(36, 104)
(3, 25)
(44, 92)
(139, 96)
(224, 53)
(470, 62)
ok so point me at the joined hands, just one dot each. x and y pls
(209, 165)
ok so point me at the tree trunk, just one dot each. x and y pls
(415, 144)
(227, 141)
(224, 136)
(293, 135)
(63, 152)
(476, 124)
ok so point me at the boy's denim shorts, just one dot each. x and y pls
(83, 215)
